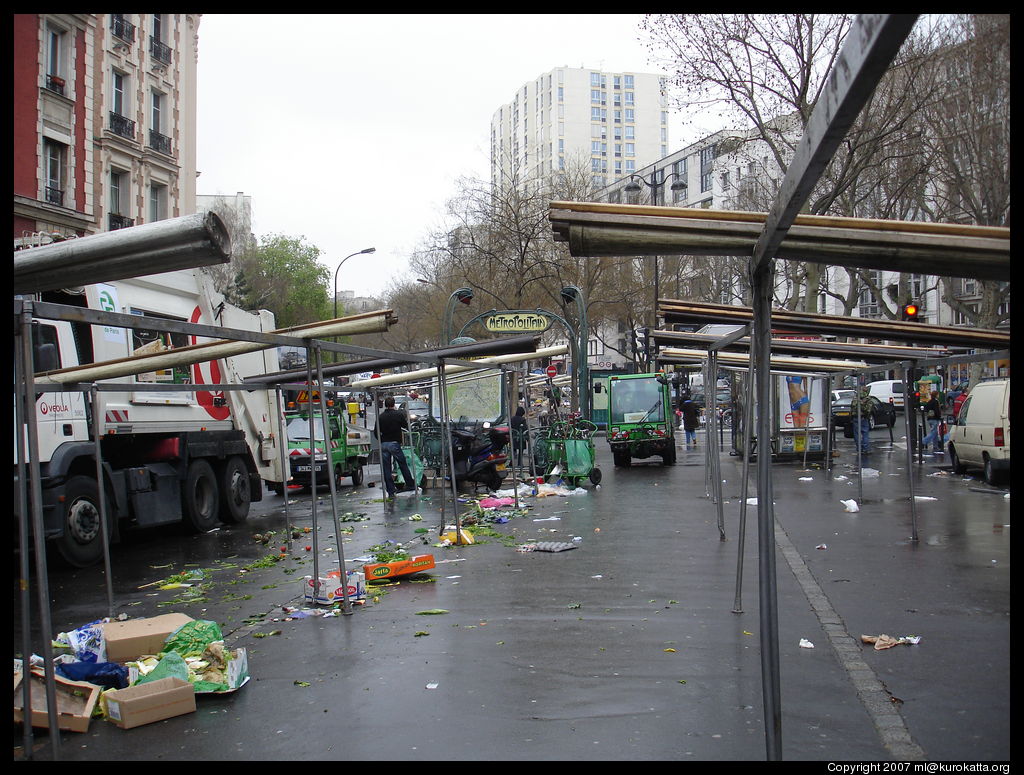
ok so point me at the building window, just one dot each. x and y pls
(630, 133)
(630, 149)
(120, 91)
(56, 57)
(157, 48)
(157, 202)
(707, 158)
(55, 159)
(630, 165)
(122, 28)
(630, 115)
(629, 98)
(627, 81)
(119, 200)
(595, 79)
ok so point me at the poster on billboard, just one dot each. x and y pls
(801, 402)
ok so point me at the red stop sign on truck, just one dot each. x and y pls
(552, 370)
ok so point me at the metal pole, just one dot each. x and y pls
(829, 428)
(761, 285)
(860, 446)
(25, 569)
(910, 455)
(282, 443)
(748, 423)
(39, 540)
(716, 457)
(346, 608)
(102, 497)
(807, 424)
(446, 420)
(312, 468)
(511, 436)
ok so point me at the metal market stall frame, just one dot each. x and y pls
(936, 249)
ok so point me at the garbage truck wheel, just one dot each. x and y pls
(199, 497)
(357, 476)
(595, 475)
(235, 495)
(81, 544)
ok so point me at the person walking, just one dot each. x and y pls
(933, 414)
(691, 421)
(519, 433)
(862, 430)
(389, 429)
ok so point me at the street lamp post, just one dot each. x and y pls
(465, 295)
(346, 258)
(656, 186)
(573, 293)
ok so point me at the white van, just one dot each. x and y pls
(981, 436)
(888, 391)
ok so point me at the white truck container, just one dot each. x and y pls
(199, 456)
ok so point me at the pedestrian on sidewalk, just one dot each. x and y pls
(390, 425)
(861, 430)
(933, 414)
(691, 421)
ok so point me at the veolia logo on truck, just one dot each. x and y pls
(217, 409)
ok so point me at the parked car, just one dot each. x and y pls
(981, 436)
(838, 394)
(723, 398)
(888, 391)
(844, 414)
(415, 409)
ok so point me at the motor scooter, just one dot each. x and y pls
(480, 457)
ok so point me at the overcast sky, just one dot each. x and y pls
(350, 130)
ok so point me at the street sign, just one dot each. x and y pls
(516, 322)
(552, 371)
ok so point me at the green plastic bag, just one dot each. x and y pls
(191, 639)
(171, 665)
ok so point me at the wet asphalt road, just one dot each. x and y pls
(624, 648)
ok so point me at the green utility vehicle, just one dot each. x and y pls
(641, 422)
(349, 445)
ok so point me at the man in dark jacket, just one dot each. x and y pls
(691, 421)
(389, 429)
(519, 433)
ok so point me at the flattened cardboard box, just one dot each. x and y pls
(149, 702)
(75, 701)
(134, 638)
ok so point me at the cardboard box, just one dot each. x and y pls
(387, 570)
(134, 638)
(75, 701)
(149, 702)
(330, 590)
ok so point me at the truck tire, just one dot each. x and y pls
(81, 543)
(954, 459)
(235, 495)
(669, 458)
(199, 497)
(622, 459)
(357, 476)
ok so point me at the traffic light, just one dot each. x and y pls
(910, 313)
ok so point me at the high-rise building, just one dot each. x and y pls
(613, 123)
(104, 122)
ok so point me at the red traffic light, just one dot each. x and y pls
(910, 312)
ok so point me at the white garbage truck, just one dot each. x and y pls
(168, 455)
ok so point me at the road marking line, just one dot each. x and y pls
(876, 700)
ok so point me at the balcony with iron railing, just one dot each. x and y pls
(122, 28)
(55, 84)
(54, 196)
(120, 222)
(121, 126)
(160, 143)
(160, 51)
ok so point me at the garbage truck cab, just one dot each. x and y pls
(640, 419)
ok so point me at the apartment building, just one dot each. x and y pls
(104, 122)
(616, 122)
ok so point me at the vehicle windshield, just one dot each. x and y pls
(298, 429)
(636, 400)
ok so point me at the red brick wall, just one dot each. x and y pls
(26, 104)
